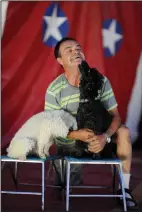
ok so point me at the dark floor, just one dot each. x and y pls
(100, 174)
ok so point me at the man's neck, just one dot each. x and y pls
(73, 77)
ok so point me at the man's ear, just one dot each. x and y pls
(59, 61)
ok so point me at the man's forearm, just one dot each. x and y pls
(73, 135)
(116, 122)
(82, 134)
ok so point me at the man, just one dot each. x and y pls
(63, 93)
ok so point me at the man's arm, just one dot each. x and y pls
(109, 102)
(116, 122)
(97, 143)
(82, 134)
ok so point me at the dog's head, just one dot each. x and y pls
(84, 69)
(91, 81)
(69, 120)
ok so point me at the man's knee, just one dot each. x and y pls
(123, 131)
(123, 135)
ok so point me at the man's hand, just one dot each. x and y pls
(96, 143)
(85, 134)
(82, 134)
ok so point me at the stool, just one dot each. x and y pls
(71, 160)
(36, 160)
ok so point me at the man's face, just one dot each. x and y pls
(71, 54)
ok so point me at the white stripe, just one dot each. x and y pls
(135, 104)
(4, 12)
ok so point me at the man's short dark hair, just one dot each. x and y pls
(57, 47)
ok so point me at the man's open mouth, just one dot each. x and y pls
(76, 58)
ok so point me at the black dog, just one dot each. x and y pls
(91, 113)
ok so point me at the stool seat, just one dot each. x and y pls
(29, 159)
(91, 161)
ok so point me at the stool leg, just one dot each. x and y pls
(113, 177)
(2, 166)
(67, 186)
(16, 170)
(63, 186)
(43, 189)
(15, 173)
(122, 187)
(62, 171)
(48, 174)
(57, 172)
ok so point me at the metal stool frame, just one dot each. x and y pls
(36, 160)
(115, 162)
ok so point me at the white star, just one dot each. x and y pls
(110, 37)
(53, 22)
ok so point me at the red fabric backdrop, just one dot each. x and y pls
(28, 65)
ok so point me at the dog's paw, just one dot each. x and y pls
(42, 156)
(7, 150)
(18, 157)
(22, 158)
(47, 154)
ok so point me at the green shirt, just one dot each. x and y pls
(61, 95)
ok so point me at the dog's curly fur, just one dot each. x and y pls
(38, 133)
(91, 113)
